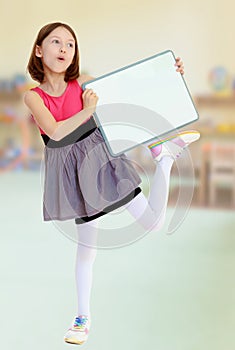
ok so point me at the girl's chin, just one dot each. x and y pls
(55, 70)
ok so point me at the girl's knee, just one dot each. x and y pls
(155, 225)
(86, 254)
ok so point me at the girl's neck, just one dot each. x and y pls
(54, 85)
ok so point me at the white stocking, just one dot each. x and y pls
(151, 213)
(85, 258)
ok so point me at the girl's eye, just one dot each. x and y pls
(56, 41)
(70, 45)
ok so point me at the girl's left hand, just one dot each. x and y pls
(180, 65)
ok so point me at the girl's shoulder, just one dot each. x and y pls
(83, 78)
(32, 95)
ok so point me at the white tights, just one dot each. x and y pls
(150, 213)
(84, 263)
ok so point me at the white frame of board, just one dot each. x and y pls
(141, 102)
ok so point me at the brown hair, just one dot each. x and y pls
(35, 67)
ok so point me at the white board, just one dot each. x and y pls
(142, 101)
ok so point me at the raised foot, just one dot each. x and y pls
(173, 145)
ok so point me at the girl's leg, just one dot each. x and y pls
(151, 213)
(86, 253)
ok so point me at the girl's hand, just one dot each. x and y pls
(90, 100)
(180, 65)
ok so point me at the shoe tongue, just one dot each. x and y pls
(80, 320)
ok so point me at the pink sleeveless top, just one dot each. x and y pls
(64, 106)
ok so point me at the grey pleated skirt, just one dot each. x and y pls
(82, 179)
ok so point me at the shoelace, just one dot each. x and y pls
(80, 322)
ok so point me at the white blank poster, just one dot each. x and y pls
(142, 101)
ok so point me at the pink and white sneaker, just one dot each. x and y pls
(173, 145)
(78, 332)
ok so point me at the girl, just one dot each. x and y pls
(64, 115)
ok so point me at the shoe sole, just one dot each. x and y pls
(182, 133)
(73, 341)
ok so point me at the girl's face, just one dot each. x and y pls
(57, 51)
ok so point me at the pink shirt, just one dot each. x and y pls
(64, 106)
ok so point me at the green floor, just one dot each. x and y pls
(161, 293)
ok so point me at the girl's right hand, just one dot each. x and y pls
(90, 100)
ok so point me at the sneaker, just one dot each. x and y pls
(175, 144)
(183, 138)
(78, 332)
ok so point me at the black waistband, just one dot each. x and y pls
(78, 134)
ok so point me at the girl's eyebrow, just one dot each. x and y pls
(55, 36)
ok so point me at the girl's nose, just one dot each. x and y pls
(62, 49)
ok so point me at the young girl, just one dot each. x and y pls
(64, 115)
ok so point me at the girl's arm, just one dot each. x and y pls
(58, 130)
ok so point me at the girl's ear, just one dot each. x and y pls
(38, 51)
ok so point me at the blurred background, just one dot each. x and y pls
(181, 290)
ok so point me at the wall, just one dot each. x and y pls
(116, 33)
